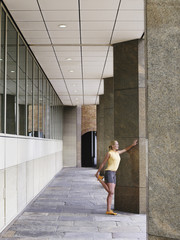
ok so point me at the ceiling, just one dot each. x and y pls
(78, 57)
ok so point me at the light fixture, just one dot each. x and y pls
(71, 71)
(75, 91)
(68, 59)
(12, 71)
(0, 59)
(62, 26)
(76, 99)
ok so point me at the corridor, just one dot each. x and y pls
(73, 207)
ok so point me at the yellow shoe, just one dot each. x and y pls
(100, 177)
(111, 212)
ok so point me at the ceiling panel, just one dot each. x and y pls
(126, 36)
(70, 41)
(130, 15)
(38, 41)
(132, 4)
(21, 5)
(96, 34)
(26, 16)
(31, 26)
(89, 100)
(70, 26)
(93, 26)
(42, 49)
(95, 40)
(64, 34)
(35, 34)
(58, 4)
(100, 4)
(98, 15)
(129, 26)
(61, 16)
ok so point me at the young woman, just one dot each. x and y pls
(113, 159)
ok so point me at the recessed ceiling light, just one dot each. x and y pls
(71, 71)
(12, 71)
(0, 59)
(68, 59)
(76, 99)
(62, 26)
(75, 90)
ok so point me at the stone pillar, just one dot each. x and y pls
(78, 136)
(105, 120)
(129, 124)
(100, 131)
(108, 113)
(163, 101)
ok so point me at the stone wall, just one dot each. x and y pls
(88, 118)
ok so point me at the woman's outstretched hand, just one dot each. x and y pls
(135, 142)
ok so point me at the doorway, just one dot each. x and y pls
(89, 149)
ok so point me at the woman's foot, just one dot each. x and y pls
(100, 177)
(110, 212)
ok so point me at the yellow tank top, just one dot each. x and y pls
(113, 161)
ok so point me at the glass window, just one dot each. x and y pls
(11, 95)
(48, 112)
(36, 100)
(52, 112)
(40, 104)
(22, 88)
(29, 96)
(2, 63)
(44, 107)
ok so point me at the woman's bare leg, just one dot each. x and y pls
(104, 185)
(111, 187)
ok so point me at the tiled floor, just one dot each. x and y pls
(73, 207)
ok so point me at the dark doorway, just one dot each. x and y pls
(88, 152)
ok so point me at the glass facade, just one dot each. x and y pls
(29, 106)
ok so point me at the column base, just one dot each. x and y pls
(127, 199)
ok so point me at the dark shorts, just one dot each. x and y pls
(110, 176)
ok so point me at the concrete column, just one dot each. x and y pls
(69, 136)
(108, 112)
(105, 120)
(100, 131)
(129, 124)
(78, 136)
(163, 101)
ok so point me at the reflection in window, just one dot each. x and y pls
(29, 96)
(2, 54)
(40, 105)
(22, 88)
(36, 100)
(11, 78)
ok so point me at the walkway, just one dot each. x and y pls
(73, 207)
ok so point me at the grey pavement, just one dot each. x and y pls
(73, 206)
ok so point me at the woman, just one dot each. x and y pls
(113, 159)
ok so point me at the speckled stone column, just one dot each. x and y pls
(100, 130)
(108, 112)
(130, 124)
(105, 120)
(163, 101)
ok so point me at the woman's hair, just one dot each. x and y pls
(111, 144)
